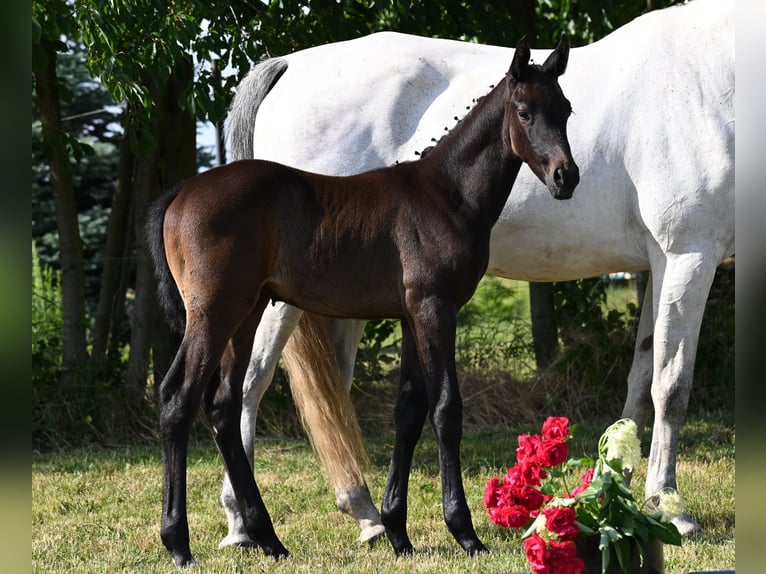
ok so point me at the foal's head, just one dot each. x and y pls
(537, 118)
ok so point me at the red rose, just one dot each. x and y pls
(514, 477)
(537, 552)
(563, 558)
(492, 492)
(532, 474)
(556, 428)
(561, 520)
(526, 453)
(552, 453)
(509, 516)
(565, 549)
(529, 497)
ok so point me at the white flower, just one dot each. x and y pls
(620, 441)
(671, 504)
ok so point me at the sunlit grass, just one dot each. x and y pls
(99, 511)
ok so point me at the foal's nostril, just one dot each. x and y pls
(558, 177)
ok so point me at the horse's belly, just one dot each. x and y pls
(538, 238)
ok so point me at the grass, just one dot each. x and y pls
(98, 511)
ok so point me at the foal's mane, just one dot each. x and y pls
(469, 110)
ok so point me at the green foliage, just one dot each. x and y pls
(493, 332)
(586, 21)
(597, 343)
(47, 322)
(378, 352)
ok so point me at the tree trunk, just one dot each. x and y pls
(544, 330)
(111, 297)
(145, 310)
(173, 159)
(70, 242)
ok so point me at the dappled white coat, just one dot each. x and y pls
(652, 133)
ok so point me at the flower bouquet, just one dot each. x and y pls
(562, 522)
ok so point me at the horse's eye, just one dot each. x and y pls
(524, 115)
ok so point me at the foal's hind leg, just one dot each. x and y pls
(276, 325)
(222, 405)
(179, 397)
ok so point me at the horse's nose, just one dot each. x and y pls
(566, 178)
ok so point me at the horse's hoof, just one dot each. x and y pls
(478, 550)
(687, 526)
(275, 550)
(371, 534)
(184, 561)
(238, 540)
(404, 551)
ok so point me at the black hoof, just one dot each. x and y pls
(477, 549)
(276, 550)
(404, 551)
(183, 560)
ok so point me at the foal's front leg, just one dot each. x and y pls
(434, 323)
(409, 416)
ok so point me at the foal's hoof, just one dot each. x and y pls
(404, 551)
(477, 549)
(275, 550)
(183, 561)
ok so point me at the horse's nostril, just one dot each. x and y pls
(558, 176)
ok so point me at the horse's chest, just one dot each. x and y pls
(444, 255)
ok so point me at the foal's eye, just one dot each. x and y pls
(524, 115)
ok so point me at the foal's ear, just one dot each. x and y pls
(556, 62)
(520, 62)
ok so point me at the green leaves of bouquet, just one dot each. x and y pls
(534, 494)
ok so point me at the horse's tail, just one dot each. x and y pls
(244, 106)
(324, 405)
(167, 290)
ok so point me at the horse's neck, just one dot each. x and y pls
(475, 160)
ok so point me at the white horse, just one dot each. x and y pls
(652, 132)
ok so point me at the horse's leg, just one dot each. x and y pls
(434, 326)
(277, 322)
(353, 498)
(681, 287)
(409, 416)
(222, 406)
(638, 404)
(195, 363)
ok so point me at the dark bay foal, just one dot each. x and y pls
(410, 242)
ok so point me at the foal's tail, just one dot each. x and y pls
(250, 93)
(167, 291)
(324, 405)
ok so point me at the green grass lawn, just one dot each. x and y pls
(99, 511)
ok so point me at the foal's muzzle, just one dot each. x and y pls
(563, 180)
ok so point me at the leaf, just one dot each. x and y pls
(622, 550)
